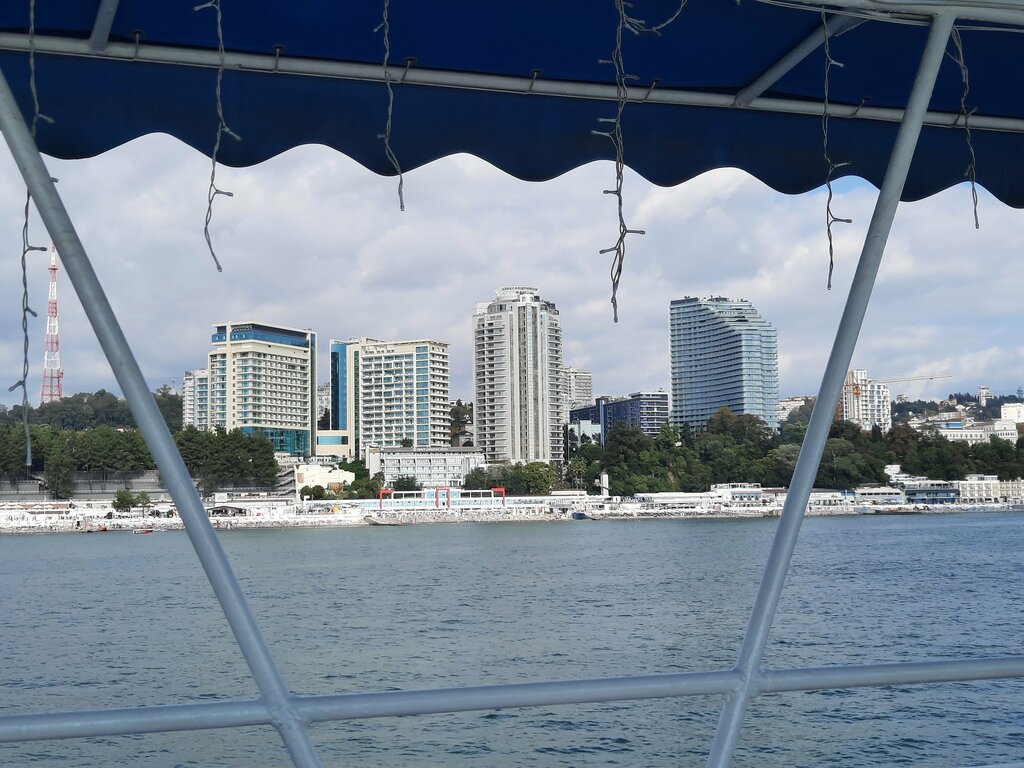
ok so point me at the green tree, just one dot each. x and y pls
(576, 470)
(461, 416)
(406, 483)
(59, 465)
(478, 479)
(537, 478)
(170, 407)
(124, 501)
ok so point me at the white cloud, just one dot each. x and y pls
(311, 239)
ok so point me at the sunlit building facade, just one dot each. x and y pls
(518, 377)
(262, 379)
(384, 393)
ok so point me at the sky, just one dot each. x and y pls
(311, 239)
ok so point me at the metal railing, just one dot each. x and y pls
(291, 715)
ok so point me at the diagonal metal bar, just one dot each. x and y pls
(154, 430)
(752, 649)
(835, 25)
(101, 27)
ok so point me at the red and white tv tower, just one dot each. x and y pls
(52, 373)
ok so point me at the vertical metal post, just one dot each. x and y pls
(752, 649)
(155, 432)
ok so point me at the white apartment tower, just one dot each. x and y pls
(579, 389)
(195, 399)
(518, 377)
(724, 354)
(262, 379)
(865, 402)
(386, 392)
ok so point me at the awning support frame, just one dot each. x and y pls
(834, 26)
(274, 692)
(752, 649)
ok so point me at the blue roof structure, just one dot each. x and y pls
(524, 85)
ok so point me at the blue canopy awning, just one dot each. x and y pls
(524, 86)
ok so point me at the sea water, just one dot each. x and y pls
(115, 620)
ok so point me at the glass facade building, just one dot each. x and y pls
(648, 411)
(724, 354)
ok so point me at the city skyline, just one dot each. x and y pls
(373, 271)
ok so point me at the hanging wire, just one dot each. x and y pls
(386, 26)
(971, 172)
(831, 168)
(636, 26)
(26, 310)
(222, 128)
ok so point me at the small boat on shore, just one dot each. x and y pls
(138, 531)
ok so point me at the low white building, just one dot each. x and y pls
(789, 404)
(977, 432)
(879, 495)
(989, 489)
(432, 467)
(327, 477)
(1012, 412)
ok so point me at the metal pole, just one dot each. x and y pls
(752, 650)
(101, 27)
(834, 25)
(374, 73)
(154, 430)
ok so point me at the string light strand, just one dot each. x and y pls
(222, 128)
(388, 151)
(636, 26)
(831, 167)
(27, 310)
(971, 172)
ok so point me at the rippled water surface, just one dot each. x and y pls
(118, 620)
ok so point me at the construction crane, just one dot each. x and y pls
(853, 386)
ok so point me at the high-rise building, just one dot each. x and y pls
(386, 392)
(518, 377)
(195, 399)
(865, 402)
(323, 400)
(647, 411)
(262, 379)
(579, 388)
(724, 354)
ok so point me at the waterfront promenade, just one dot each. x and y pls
(92, 517)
